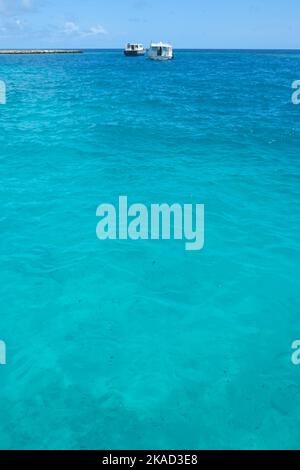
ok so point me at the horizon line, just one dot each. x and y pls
(178, 48)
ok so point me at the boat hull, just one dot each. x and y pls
(134, 53)
(161, 58)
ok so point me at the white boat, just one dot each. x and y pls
(161, 51)
(133, 50)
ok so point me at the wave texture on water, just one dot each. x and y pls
(123, 344)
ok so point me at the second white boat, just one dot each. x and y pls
(160, 51)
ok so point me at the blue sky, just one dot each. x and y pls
(186, 23)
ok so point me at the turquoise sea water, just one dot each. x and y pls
(129, 345)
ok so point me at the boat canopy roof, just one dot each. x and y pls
(161, 44)
(135, 44)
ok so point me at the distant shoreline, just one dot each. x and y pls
(40, 51)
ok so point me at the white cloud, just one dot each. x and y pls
(19, 24)
(27, 4)
(95, 30)
(13, 27)
(72, 28)
(11, 7)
